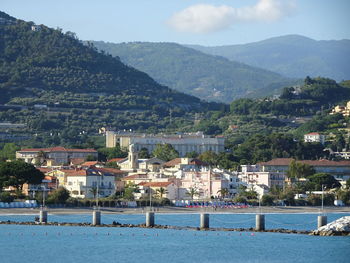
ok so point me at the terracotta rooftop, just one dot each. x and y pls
(90, 163)
(110, 170)
(286, 162)
(313, 133)
(57, 149)
(76, 161)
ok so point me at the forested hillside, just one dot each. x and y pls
(208, 77)
(292, 55)
(41, 58)
(63, 90)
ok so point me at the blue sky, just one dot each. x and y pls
(217, 22)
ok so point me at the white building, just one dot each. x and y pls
(183, 143)
(255, 175)
(314, 137)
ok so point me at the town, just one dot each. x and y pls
(181, 181)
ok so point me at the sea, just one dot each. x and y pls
(28, 243)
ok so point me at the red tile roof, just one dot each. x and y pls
(57, 149)
(172, 162)
(90, 163)
(313, 133)
(286, 162)
(76, 161)
(74, 172)
(110, 170)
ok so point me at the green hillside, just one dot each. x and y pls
(208, 77)
(50, 60)
(63, 91)
(292, 55)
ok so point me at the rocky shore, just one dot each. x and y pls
(339, 227)
(117, 224)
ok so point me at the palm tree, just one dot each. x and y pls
(161, 191)
(192, 192)
(223, 192)
(93, 190)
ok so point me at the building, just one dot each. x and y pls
(83, 183)
(183, 143)
(338, 169)
(314, 137)
(157, 189)
(54, 156)
(206, 184)
(344, 110)
(254, 175)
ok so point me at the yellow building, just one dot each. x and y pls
(344, 110)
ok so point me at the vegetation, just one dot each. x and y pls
(165, 152)
(17, 173)
(211, 78)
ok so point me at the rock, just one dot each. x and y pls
(338, 227)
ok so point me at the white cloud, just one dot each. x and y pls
(204, 18)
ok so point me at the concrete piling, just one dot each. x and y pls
(96, 217)
(321, 221)
(43, 216)
(204, 221)
(149, 219)
(260, 222)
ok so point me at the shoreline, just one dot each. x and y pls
(181, 210)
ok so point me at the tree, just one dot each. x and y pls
(209, 157)
(165, 152)
(93, 190)
(144, 154)
(223, 192)
(17, 173)
(110, 153)
(298, 170)
(192, 192)
(59, 196)
(324, 179)
(267, 200)
(161, 191)
(8, 152)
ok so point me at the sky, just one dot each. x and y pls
(209, 23)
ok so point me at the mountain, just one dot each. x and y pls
(60, 89)
(292, 55)
(34, 58)
(208, 77)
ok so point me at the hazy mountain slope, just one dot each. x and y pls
(193, 72)
(292, 55)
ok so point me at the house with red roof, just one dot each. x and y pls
(54, 155)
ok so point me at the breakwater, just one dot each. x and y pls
(117, 224)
